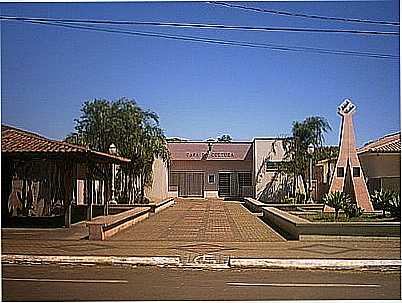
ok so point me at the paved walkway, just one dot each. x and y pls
(195, 231)
(202, 220)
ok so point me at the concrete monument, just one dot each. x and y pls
(348, 176)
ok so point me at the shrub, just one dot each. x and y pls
(300, 198)
(394, 205)
(381, 200)
(336, 200)
(352, 210)
(288, 200)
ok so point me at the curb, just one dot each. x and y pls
(90, 260)
(327, 264)
(234, 263)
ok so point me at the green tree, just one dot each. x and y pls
(310, 131)
(336, 200)
(135, 132)
(224, 138)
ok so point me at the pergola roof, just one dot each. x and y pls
(17, 141)
(387, 144)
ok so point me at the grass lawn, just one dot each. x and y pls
(329, 217)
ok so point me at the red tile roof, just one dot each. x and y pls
(14, 140)
(219, 151)
(387, 144)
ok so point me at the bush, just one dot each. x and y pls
(381, 200)
(394, 205)
(352, 210)
(300, 198)
(288, 200)
(336, 200)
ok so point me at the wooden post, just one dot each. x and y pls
(88, 197)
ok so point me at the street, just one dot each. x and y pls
(87, 283)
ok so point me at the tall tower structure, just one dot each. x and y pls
(348, 176)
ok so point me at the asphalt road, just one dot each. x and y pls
(86, 283)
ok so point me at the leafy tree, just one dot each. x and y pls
(310, 131)
(336, 200)
(135, 132)
(225, 138)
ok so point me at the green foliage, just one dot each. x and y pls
(336, 200)
(352, 210)
(224, 138)
(134, 131)
(288, 200)
(300, 198)
(310, 131)
(381, 200)
(394, 205)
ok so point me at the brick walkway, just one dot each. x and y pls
(210, 220)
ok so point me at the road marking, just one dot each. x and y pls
(301, 285)
(67, 281)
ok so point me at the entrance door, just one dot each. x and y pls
(224, 185)
(191, 184)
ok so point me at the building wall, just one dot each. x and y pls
(386, 168)
(211, 167)
(381, 165)
(268, 184)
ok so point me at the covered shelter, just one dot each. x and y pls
(52, 183)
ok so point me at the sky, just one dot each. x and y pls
(201, 90)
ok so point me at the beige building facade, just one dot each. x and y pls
(381, 163)
(220, 170)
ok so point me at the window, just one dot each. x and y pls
(244, 179)
(356, 171)
(340, 172)
(211, 179)
(272, 165)
(173, 181)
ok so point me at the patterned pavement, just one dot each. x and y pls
(202, 220)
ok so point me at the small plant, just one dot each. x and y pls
(300, 198)
(352, 210)
(336, 200)
(394, 205)
(288, 200)
(381, 200)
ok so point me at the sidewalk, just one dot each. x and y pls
(210, 234)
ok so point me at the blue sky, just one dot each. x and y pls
(200, 90)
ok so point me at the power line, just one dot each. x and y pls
(206, 26)
(220, 42)
(290, 14)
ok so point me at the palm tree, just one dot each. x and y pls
(310, 131)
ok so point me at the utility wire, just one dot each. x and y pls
(207, 26)
(290, 14)
(220, 42)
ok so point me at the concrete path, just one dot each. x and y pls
(202, 220)
(197, 232)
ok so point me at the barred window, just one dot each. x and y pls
(356, 171)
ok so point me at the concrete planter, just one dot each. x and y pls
(296, 228)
